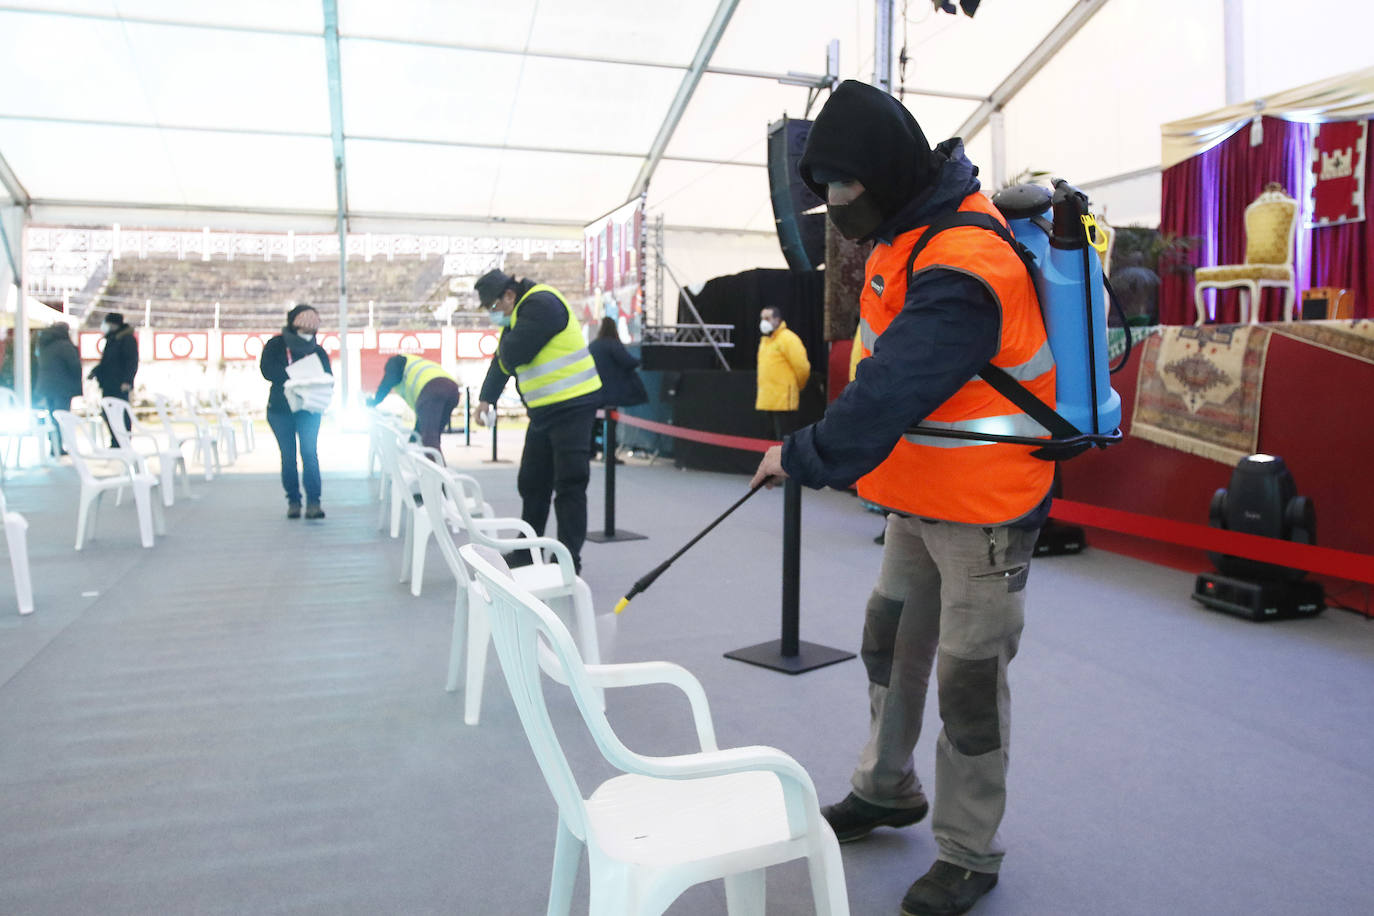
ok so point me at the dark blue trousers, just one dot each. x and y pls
(288, 428)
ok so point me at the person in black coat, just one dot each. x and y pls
(58, 374)
(621, 385)
(118, 363)
(294, 343)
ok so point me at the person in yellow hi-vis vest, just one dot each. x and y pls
(542, 346)
(426, 387)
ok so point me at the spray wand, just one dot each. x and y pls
(648, 578)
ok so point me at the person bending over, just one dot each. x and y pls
(430, 391)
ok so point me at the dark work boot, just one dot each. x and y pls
(293, 510)
(947, 890)
(853, 818)
(313, 510)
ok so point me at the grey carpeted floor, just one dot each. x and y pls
(249, 718)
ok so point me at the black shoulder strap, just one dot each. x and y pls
(998, 378)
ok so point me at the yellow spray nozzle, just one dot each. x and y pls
(1096, 237)
(621, 604)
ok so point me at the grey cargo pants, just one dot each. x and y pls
(952, 593)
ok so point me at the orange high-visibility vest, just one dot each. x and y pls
(965, 480)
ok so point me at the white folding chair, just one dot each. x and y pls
(665, 823)
(171, 463)
(446, 498)
(131, 472)
(17, 542)
(206, 448)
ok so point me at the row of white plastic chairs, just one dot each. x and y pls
(666, 823)
(138, 448)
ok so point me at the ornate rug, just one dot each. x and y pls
(1349, 338)
(1199, 390)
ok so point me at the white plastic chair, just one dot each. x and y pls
(666, 823)
(171, 463)
(421, 527)
(17, 541)
(446, 498)
(132, 473)
(398, 492)
(242, 415)
(206, 449)
(17, 423)
(220, 425)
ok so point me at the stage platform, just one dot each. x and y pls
(250, 717)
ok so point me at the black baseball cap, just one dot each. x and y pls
(491, 285)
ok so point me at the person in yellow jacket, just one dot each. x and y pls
(964, 513)
(426, 387)
(541, 345)
(783, 370)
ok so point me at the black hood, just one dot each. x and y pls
(865, 134)
(955, 178)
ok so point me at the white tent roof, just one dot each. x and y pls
(544, 112)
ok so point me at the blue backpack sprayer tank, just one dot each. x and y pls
(1053, 232)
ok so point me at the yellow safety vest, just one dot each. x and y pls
(563, 370)
(419, 372)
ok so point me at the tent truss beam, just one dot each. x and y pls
(1059, 36)
(709, 39)
(12, 185)
(371, 138)
(336, 133)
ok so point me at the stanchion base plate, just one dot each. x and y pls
(496, 461)
(809, 656)
(621, 534)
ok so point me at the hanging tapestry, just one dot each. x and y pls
(1338, 166)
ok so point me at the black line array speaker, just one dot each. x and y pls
(801, 234)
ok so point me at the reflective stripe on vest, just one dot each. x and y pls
(419, 372)
(965, 480)
(564, 369)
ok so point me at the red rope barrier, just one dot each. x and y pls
(1342, 564)
(744, 443)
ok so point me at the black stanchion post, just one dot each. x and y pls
(608, 448)
(791, 568)
(467, 416)
(495, 415)
(789, 654)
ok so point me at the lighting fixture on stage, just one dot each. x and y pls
(946, 6)
(1262, 500)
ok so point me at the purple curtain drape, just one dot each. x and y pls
(1205, 197)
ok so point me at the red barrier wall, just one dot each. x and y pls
(1314, 414)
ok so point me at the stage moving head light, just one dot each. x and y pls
(1262, 499)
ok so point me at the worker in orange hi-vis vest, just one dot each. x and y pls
(963, 514)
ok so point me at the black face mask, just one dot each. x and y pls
(857, 219)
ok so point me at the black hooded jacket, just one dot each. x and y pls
(863, 133)
(118, 363)
(948, 329)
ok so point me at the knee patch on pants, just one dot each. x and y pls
(880, 637)
(968, 704)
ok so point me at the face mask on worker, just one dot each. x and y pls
(766, 327)
(500, 319)
(857, 219)
(305, 334)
